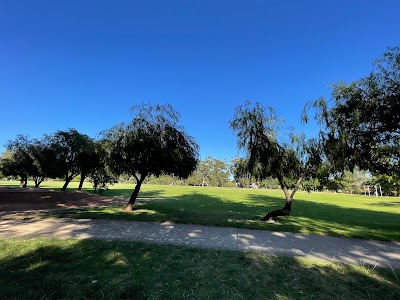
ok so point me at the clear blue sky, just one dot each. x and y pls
(83, 64)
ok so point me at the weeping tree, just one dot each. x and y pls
(89, 160)
(151, 144)
(241, 173)
(97, 169)
(258, 131)
(43, 158)
(361, 124)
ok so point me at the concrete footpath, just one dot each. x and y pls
(343, 250)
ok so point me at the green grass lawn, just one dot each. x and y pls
(87, 269)
(319, 213)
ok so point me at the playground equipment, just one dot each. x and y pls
(374, 189)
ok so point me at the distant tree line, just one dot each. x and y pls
(64, 154)
(151, 144)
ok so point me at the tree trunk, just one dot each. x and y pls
(23, 182)
(287, 209)
(284, 212)
(81, 182)
(67, 180)
(132, 199)
(38, 181)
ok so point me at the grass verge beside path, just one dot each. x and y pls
(87, 269)
(316, 213)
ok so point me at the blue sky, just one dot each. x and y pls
(83, 64)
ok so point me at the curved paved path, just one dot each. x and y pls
(344, 250)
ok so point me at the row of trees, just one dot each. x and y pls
(64, 154)
(30, 158)
(151, 144)
(359, 128)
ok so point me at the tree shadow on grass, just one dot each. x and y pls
(386, 204)
(330, 219)
(115, 211)
(199, 208)
(126, 193)
(308, 216)
(202, 208)
(72, 269)
(193, 208)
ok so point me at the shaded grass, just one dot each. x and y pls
(56, 185)
(317, 213)
(83, 269)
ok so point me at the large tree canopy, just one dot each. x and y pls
(95, 167)
(257, 129)
(19, 161)
(151, 144)
(362, 126)
(67, 154)
(22, 159)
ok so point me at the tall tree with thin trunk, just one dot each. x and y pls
(258, 130)
(151, 144)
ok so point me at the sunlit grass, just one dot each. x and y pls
(319, 213)
(76, 269)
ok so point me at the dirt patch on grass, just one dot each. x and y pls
(36, 199)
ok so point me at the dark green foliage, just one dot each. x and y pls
(69, 153)
(46, 157)
(21, 160)
(151, 144)
(257, 129)
(239, 168)
(242, 176)
(362, 127)
(97, 169)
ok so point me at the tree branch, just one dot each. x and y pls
(283, 186)
(296, 187)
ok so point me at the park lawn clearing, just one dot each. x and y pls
(356, 216)
(90, 269)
